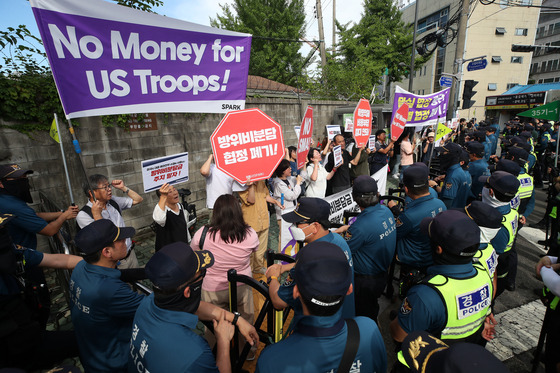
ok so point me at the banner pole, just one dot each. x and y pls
(433, 146)
(557, 145)
(79, 152)
(64, 160)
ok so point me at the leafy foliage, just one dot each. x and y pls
(269, 21)
(379, 40)
(29, 96)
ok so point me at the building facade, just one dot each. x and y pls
(545, 66)
(491, 30)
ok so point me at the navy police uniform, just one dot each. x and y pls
(318, 342)
(372, 243)
(454, 300)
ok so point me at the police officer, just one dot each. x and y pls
(310, 222)
(452, 303)
(372, 242)
(489, 220)
(526, 190)
(163, 339)
(454, 192)
(500, 188)
(323, 279)
(477, 166)
(24, 342)
(413, 247)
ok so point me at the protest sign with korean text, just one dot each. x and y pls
(371, 144)
(332, 131)
(337, 154)
(348, 122)
(172, 169)
(110, 59)
(362, 123)
(247, 144)
(399, 122)
(305, 137)
(422, 110)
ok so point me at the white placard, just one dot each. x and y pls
(172, 169)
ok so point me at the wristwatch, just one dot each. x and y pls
(235, 317)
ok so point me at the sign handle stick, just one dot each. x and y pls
(79, 152)
(557, 145)
(433, 146)
(64, 161)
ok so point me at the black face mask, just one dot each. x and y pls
(18, 188)
(178, 302)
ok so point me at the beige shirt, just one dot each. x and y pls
(256, 215)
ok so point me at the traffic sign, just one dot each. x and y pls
(445, 81)
(247, 144)
(362, 123)
(549, 111)
(305, 137)
(477, 65)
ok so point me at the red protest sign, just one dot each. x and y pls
(399, 121)
(247, 144)
(362, 123)
(305, 137)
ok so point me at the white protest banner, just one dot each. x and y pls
(337, 154)
(371, 143)
(297, 130)
(332, 131)
(111, 59)
(172, 169)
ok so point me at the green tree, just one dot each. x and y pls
(276, 26)
(29, 96)
(379, 40)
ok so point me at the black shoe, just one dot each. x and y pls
(510, 287)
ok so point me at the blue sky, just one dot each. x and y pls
(17, 12)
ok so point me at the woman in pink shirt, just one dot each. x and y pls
(407, 150)
(231, 241)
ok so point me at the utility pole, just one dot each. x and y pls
(459, 55)
(321, 34)
(333, 26)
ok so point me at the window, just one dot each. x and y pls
(534, 68)
(500, 30)
(549, 80)
(496, 59)
(434, 20)
(516, 59)
(492, 86)
(521, 31)
(540, 32)
(555, 65)
(511, 85)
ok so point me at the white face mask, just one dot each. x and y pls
(488, 234)
(491, 200)
(298, 233)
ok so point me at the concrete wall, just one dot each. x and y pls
(117, 153)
